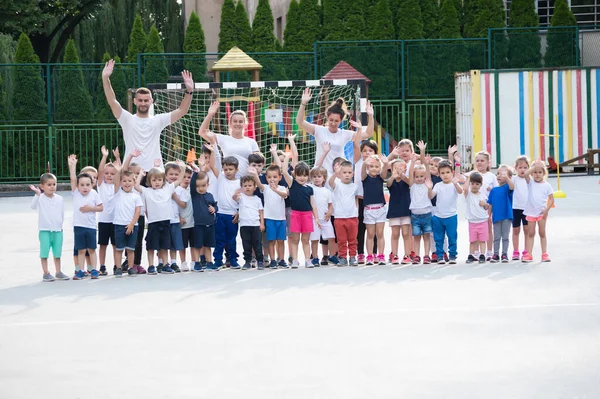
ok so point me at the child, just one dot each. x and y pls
(304, 211)
(106, 189)
(500, 201)
(324, 203)
(226, 228)
(86, 202)
(186, 217)
(51, 216)
(445, 222)
(329, 247)
(520, 195)
(210, 163)
(252, 222)
(362, 151)
(420, 205)
(435, 179)
(179, 199)
(127, 210)
(256, 162)
(477, 216)
(159, 210)
(137, 255)
(373, 172)
(345, 210)
(205, 210)
(482, 166)
(539, 202)
(398, 210)
(274, 195)
(93, 173)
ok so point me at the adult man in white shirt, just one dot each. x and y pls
(142, 131)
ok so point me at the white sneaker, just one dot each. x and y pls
(308, 264)
(185, 267)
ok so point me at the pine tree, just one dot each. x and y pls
(384, 73)
(156, 68)
(562, 42)
(120, 83)
(263, 38)
(430, 12)
(194, 43)
(382, 27)
(3, 109)
(292, 39)
(409, 22)
(449, 21)
(137, 40)
(525, 45)
(227, 32)
(333, 17)
(29, 90)
(302, 29)
(243, 35)
(103, 111)
(354, 21)
(310, 23)
(452, 56)
(481, 15)
(409, 26)
(74, 101)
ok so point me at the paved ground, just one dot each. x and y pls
(501, 331)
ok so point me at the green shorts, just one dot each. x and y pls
(50, 240)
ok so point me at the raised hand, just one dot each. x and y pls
(136, 153)
(273, 147)
(116, 153)
(72, 160)
(202, 162)
(252, 171)
(370, 110)
(35, 189)
(326, 147)
(291, 137)
(383, 158)
(157, 162)
(422, 145)
(273, 186)
(108, 69)
(214, 108)
(188, 80)
(427, 159)
(428, 183)
(306, 96)
(451, 150)
(357, 125)
(210, 147)
(336, 169)
(104, 151)
(456, 157)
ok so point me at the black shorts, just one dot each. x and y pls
(158, 236)
(204, 236)
(518, 218)
(106, 233)
(188, 237)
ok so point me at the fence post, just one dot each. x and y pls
(139, 69)
(577, 60)
(489, 65)
(316, 62)
(402, 94)
(49, 155)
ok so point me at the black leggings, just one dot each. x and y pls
(138, 243)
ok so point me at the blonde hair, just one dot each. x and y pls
(407, 142)
(319, 171)
(509, 170)
(420, 167)
(87, 169)
(238, 112)
(143, 90)
(521, 159)
(487, 157)
(156, 173)
(377, 158)
(543, 166)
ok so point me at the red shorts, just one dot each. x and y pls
(478, 231)
(301, 222)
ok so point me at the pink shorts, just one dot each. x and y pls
(301, 222)
(478, 231)
(534, 218)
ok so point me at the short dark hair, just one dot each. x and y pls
(245, 179)
(231, 161)
(201, 176)
(371, 144)
(273, 168)
(302, 169)
(127, 173)
(256, 157)
(444, 163)
(47, 176)
(338, 160)
(84, 176)
(475, 177)
(205, 149)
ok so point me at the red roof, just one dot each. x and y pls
(343, 70)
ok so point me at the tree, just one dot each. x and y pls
(29, 93)
(525, 45)
(333, 17)
(156, 67)
(243, 36)
(354, 21)
(137, 40)
(382, 27)
(409, 21)
(302, 29)
(384, 74)
(8, 48)
(449, 21)
(292, 38)
(562, 42)
(451, 56)
(481, 15)
(227, 32)
(194, 43)
(3, 109)
(263, 39)
(430, 12)
(74, 101)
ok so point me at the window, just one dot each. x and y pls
(279, 29)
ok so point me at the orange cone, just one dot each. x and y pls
(191, 156)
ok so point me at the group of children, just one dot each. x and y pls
(202, 206)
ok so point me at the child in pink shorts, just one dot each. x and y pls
(304, 210)
(478, 216)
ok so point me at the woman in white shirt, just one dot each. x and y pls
(235, 144)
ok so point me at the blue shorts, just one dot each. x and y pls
(159, 236)
(276, 230)
(124, 241)
(176, 237)
(421, 224)
(85, 238)
(204, 236)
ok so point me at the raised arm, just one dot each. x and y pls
(370, 122)
(212, 160)
(117, 155)
(72, 161)
(363, 170)
(336, 171)
(357, 140)
(135, 153)
(274, 156)
(411, 171)
(292, 139)
(138, 180)
(254, 173)
(203, 131)
(114, 105)
(184, 107)
(181, 165)
(466, 190)
(308, 127)
(385, 166)
(325, 147)
(457, 186)
(284, 170)
(101, 166)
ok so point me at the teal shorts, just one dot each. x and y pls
(50, 240)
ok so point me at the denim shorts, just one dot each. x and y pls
(176, 237)
(85, 238)
(421, 224)
(124, 241)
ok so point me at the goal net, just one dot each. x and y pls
(271, 108)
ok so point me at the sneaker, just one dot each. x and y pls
(167, 270)
(234, 263)
(412, 255)
(175, 268)
(48, 278)
(504, 258)
(406, 260)
(515, 255)
(343, 262)
(446, 257)
(235, 267)
(79, 275)
(119, 272)
(198, 267)
(361, 259)
(482, 258)
(353, 261)
(103, 271)
(125, 269)
(391, 257)
(426, 260)
(545, 257)
(94, 273)
(470, 259)
(282, 264)
(290, 260)
(381, 259)
(295, 264)
(217, 264)
(211, 267)
(334, 259)
(441, 261)
(132, 272)
(416, 260)
(495, 258)
(452, 260)
(273, 264)
(308, 264)
(253, 262)
(140, 269)
(395, 260)
(185, 267)
(489, 255)
(315, 262)
(62, 276)
(324, 261)
(369, 260)
(152, 271)
(260, 265)
(159, 268)
(434, 258)
(247, 266)
(527, 258)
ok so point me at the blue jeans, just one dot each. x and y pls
(226, 236)
(445, 227)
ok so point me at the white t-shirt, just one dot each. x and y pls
(143, 134)
(337, 141)
(357, 174)
(239, 148)
(107, 193)
(446, 199)
(537, 198)
(186, 213)
(475, 212)
(225, 192)
(323, 197)
(87, 219)
(489, 180)
(344, 200)
(158, 202)
(520, 192)
(274, 203)
(420, 203)
(125, 204)
(184, 196)
(51, 213)
(250, 205)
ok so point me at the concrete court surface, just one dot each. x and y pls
(492, 331)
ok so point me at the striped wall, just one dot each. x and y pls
(516, 113)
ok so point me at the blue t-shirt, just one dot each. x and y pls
(300, 197)
(200, 203)
(399, 200)
(373, 190)
(435, 180)
(500, 198)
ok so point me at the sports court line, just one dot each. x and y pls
(257, 276)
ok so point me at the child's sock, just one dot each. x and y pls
(173, 261)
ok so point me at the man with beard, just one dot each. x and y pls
(142, 131)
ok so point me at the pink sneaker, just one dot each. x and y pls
(406, 260)
(381, 259)
(391, 257)
(545, 257)
(527, 258)
(140, 269)
(395, 260)
(369, 260)
(516, 255)
(361, 259)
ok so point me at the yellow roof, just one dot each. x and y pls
(236, 60)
